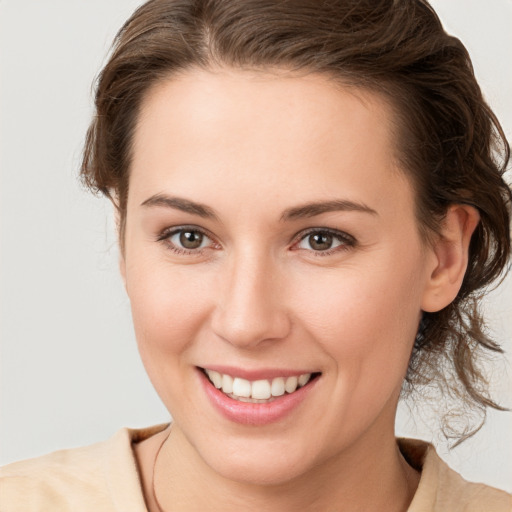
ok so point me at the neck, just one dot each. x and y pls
(366, 476)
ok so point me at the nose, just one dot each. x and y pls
(250, 310)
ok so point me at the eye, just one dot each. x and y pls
(325, 241)
(186, 240)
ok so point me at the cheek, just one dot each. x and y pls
(366, 321)
(168, 308)
(366, 326)
(169, 311)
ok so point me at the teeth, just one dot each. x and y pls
(291, 384)
(227, 384)
(242, 387)
(304, 379)
(261, 390)
(216, 378)
(258, 390)
(277, 386)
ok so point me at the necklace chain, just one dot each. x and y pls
(155, 498)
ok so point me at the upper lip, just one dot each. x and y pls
(256, 374)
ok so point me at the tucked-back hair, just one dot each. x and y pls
(449, 142)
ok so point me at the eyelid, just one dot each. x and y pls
(165, 235)
(348, 241)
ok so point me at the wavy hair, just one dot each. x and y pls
(449, 142)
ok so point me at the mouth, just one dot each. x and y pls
(261, 391)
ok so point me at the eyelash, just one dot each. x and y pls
(346, 241)
(167, 234)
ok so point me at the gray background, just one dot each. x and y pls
(70, 372)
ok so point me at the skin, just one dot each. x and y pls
(251, 146)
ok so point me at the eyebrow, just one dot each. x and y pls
(297, 212)
(179, 203)
(317, 208)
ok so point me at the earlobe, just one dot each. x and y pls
(450, 260)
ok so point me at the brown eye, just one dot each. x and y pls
(320, 241)
(187, 240)
(325, 241)
(190, 239)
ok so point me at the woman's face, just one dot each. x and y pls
(270, 235)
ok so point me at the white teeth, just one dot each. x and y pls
(216, 378)
(227, 384)
(277, 386)
(304, 379)
(291, 384)
(261, 389)
(241, 387)
(258, 390)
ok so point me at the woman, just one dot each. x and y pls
(310, 198)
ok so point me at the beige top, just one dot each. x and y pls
(104, 478)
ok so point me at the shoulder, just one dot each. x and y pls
(101, 477)
(443, 489)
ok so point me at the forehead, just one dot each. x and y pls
(308, 104)
(298, 133)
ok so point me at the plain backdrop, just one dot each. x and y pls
(70, 372)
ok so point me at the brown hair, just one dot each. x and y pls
(450, 142)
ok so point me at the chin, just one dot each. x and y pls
(268, 471)
(258, 463)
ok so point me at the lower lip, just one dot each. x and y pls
(247, 413)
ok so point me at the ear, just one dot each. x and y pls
(450, 261)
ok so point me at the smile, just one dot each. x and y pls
(237, 398)
(257, 391)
